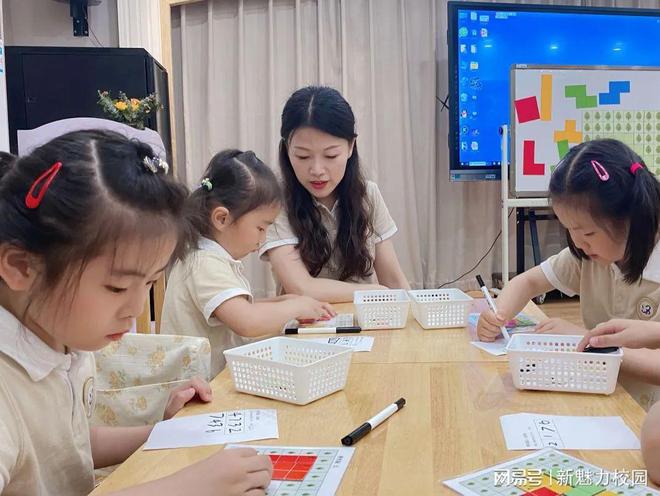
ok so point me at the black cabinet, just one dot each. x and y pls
(46, 84)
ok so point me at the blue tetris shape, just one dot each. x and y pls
(613, 97)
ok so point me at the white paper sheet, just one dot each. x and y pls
(358, 343)
(525, 431)
(497, 348)
(214, 428)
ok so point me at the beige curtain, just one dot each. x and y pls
(138, 24)
(235, 62)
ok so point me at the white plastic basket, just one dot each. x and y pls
(292, 370)
(381, 309)
(548, 362)
(440, 308)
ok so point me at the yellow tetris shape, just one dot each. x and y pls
(547, 482)
(569, 133)
(546, 97)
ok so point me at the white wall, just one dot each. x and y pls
(48, 23)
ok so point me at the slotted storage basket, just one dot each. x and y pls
(440, 308)
(550, 363)
(381, 309)
(292, 370)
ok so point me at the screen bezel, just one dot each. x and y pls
(489, 172)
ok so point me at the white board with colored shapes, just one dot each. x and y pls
(554, 108)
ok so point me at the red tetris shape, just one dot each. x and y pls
(543, 491)
(297, 475)
(527, 109)
(531, 168)
(291, 467)
(279, 474)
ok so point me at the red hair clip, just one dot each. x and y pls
(602, 174)
(635, 167)
(32, 201)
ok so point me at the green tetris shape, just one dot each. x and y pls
(579, 92)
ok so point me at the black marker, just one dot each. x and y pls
(491, 304)
(373, 422)
(322, 330)
(607, 349)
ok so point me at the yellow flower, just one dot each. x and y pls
(117, 379)
(156, 359)
(141, 403)
(135, 103)
(121, 106)
(186, 360)
(107, 414)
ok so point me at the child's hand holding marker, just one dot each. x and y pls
(489, 327)
(495, 317)
(622, 333)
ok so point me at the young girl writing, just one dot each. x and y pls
(334, 236)
(609, 202)
(207, 293)
(87, 223)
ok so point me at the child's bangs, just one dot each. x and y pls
(589, 204)
(148, 232)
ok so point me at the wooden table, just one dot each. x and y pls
(450, 425)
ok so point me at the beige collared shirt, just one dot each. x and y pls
(207, 278)
(46, 398)
(281, 233)
(603, 293)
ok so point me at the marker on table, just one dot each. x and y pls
(322, 330)
(607, 349)
(491, 304)
(373, 422)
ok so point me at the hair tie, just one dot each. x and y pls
(206, 183)
(602, 174)
(247, 154)
(635, 167)
(152, 164)
(32, 201)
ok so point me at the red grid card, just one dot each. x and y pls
(291, 467)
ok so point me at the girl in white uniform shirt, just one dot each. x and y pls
(207, 293)
(87, 223)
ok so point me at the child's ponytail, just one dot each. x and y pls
(644, 219)
(236, 180)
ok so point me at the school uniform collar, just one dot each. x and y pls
(215, 247)
(25, 348)
(332, 211)
(652, 269)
